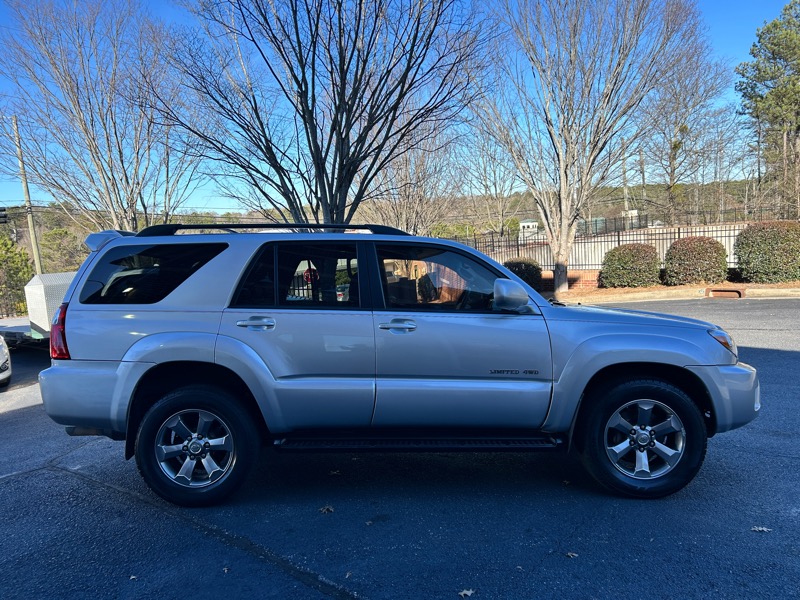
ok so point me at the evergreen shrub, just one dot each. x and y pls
(769, 252)
(526, 269)
(630, 265)
(16, 271)
(695, 260)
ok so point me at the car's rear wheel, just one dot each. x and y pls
(643, 438)
(196, 446)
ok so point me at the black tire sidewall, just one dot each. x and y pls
(606, 404)
(217, 402)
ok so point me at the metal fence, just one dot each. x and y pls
(588, 252)
(602, 225)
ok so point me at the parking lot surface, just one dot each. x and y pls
(78, 520)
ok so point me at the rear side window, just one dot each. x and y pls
(144, 274)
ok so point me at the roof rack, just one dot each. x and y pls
(173, 228)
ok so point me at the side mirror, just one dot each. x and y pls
(510, 295)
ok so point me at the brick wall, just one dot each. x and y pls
(579, 279)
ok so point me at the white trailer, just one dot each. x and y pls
(43, 294)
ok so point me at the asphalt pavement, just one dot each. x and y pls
(77, 519)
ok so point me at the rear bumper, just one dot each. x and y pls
(90, 395)
(735, 393)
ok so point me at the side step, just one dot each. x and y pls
(394, 444)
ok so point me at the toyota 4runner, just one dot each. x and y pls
(197, 349)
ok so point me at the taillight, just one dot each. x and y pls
(58, 335)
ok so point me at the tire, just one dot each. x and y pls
(196, 446)
(644, 438)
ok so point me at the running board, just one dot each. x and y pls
(523, 444)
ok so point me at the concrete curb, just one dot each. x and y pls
(773, 293)
(576, 297)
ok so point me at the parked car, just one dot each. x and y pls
(343, 293)
(5, 364)
(197, 349)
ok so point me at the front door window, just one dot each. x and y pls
(431, 278)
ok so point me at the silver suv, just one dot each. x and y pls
(197, 349)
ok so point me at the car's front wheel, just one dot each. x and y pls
(643, 438)
(196, 446)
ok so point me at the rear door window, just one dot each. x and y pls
(302, 275)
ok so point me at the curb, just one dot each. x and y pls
(682, 294)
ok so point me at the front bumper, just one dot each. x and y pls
(5, 369)
(735, 393)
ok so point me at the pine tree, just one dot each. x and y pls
(770, 91)
(16, 272)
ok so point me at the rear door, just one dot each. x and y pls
(300, 308)
(445, 358)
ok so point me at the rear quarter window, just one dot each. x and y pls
(144, 274)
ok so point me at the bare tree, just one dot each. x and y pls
(492, 179)
(680, 117)
(728, 152)
(90, 139)
(415, 191)
(577, 71)
(305, 102)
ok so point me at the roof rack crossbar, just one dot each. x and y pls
(173, 228)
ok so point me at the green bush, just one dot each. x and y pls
(526, 269)
(16, 272)
(769, 252)
(630, 265)
(695, 260)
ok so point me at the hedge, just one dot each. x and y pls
(630, 265)
(769, 252)
(695, 260)
(526, 269)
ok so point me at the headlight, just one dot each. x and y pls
(725, 339)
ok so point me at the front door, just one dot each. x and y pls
(445, 358)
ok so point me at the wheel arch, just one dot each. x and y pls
(612, 375)
(167, 377)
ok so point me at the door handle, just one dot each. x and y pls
(399, 325)
(257, 323)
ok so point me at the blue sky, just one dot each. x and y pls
(731, 26)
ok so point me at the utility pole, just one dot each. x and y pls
(37, 262)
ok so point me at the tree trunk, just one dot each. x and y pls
(796, 168)
(561, 250)
(784, 200)
(560, 280)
